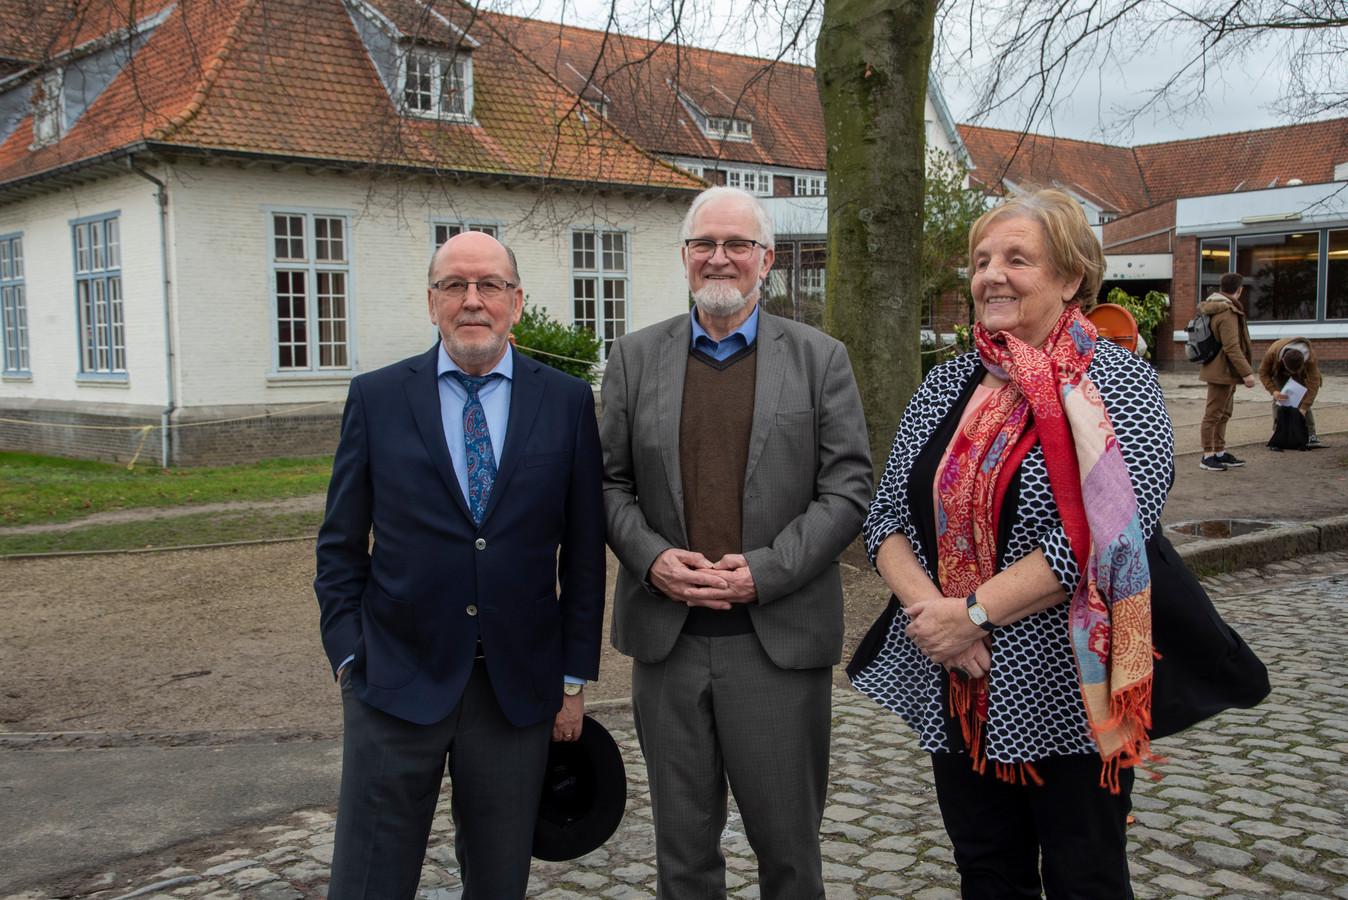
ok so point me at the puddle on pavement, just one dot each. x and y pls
(1221, 528)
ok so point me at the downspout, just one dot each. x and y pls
(162, 199)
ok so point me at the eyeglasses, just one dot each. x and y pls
(738, 250)
(485, 289)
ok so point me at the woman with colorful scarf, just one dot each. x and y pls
(1010, 524)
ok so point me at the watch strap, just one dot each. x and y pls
(984, 624)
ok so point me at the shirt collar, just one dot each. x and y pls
(443, 363)
(747, 332)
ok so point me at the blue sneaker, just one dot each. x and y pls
(1230, 461)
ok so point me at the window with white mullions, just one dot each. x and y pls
(759, 183)
(436, 84)
(48, 107)
(332, 320)
(311, 291)
(443, 231)
(98, 296)
(599, 270)
(292, 321)
(13, 306)
(810, 186)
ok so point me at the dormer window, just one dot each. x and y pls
(438, 85)
(598, 106)
(754, 182)
(724, 128)
(810, 186)
(48, 110)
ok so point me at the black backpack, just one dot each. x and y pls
(1202, 346)
(1290, 430)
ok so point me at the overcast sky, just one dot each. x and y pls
(1238, 100)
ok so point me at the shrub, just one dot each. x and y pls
(569, 348)
(1147, 312)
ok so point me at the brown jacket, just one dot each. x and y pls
(1274, 374)
(1232, 364)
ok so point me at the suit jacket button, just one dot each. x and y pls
(472, 610)
(480, 544)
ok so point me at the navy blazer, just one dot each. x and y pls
(529, 582)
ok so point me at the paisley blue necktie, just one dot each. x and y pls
(477, 441)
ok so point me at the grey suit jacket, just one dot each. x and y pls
(806, 486)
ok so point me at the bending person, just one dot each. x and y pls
(1292, 358)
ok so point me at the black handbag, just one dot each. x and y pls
(1204, 666)
(1289, 430)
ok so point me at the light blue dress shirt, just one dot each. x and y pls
(495, 397)
(733, 343)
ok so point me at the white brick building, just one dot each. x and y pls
(284, 263)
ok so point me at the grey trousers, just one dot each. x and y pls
(391, 775)
(717, 711)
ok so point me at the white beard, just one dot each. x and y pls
(720, 299)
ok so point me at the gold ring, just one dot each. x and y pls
(568, 734)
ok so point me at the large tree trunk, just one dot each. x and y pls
(871, 62)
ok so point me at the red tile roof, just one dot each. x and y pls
(1245, 161)
(32, 30)
(291, 78)
(644, 79)
(1104, 174)
(1130, 179)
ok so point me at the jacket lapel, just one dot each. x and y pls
(768, 377)
(526, 397)
(423, 396)
(673, 369)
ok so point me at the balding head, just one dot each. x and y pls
(474, 322)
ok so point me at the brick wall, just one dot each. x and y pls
(1331, 355)
(1137, 233)
(304, 434)
(1169, 353)
(119, 436)
(79, 434)
(951, 310)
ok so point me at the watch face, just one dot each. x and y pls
(978, 615)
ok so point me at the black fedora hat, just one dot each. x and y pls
(584, 795)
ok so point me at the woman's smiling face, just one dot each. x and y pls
(1015, 286)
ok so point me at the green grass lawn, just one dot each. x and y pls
(35, 489)
(177, 531)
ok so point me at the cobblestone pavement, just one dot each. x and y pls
(1251, 804)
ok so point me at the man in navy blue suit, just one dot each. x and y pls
(464, 634)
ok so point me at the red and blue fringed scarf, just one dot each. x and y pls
(1111, 609)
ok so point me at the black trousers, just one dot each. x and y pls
(391, 775)
(1003, 833)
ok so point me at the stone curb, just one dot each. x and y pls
(1208, 557)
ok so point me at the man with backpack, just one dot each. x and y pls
(1231, 366)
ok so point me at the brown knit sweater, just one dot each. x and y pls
(714, 427)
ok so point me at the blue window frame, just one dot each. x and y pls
(13, 306)
(98, 295)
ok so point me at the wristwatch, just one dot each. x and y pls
(978, 615)
(570, 689)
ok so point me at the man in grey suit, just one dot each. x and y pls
(736, 469)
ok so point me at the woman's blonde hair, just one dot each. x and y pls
(1072, 247)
